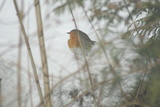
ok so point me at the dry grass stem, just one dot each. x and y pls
(29, 52)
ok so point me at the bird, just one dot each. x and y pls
(79, 42)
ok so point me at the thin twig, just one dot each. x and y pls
(29, 53)
(95, 87)
(71, 75)
(74, 20)
(19, 72)
(63, 80)
(104, 51)
(87, 65)
(29, 83)
(86, 62)
(43, 53)
(76, 55)
(140, 86)
(19, 89)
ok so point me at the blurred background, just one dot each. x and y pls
(121, 70)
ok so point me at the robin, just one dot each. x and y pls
(79, 41)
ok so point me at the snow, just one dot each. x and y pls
(61, 61)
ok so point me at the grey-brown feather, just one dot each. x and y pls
(86, 42)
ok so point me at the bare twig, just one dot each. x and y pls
(29, 53)
(19, 89)
(19, 72)
(86, 62)
(140, 85)
(95, 87)
(63, 80)
(74, 20)
(29, 83)
(104, 51)
(43, 53)
(81, 45)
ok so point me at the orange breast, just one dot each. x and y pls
(73, 42)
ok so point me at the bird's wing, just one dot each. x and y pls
(84, 36)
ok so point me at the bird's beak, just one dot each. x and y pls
(68, 32)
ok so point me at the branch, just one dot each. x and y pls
(29, 53)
